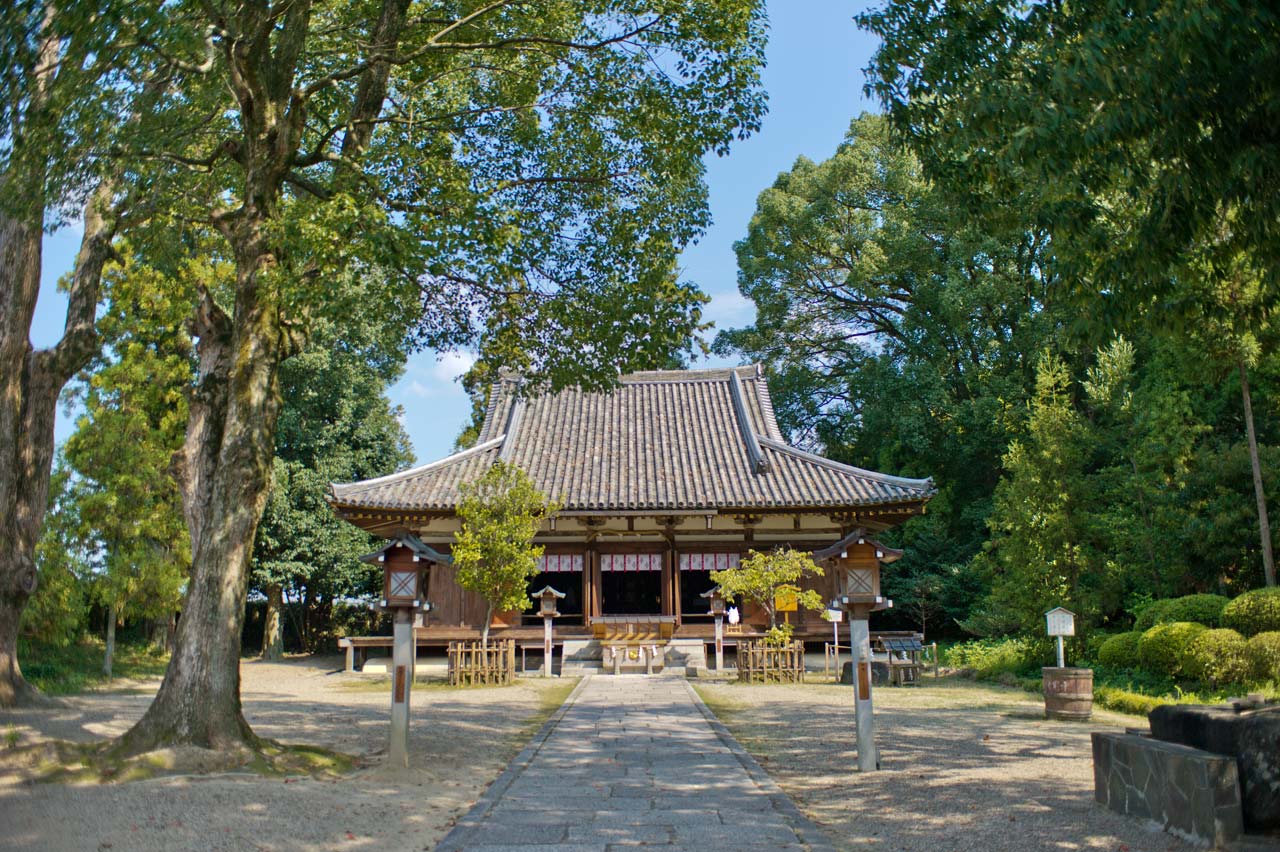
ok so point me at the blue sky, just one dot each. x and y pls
(814, 80)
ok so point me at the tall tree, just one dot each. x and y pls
(61, 103)
(336, 425)
(894, 330)
(1138, 174)
(474, 149)
(125, 498)
(494, 550)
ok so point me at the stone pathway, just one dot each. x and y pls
(633, 761)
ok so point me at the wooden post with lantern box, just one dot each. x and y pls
(716, 602)
(404, 561)
(547, 598)
(855, 560)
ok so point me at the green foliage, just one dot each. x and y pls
(533, 172)
(1203, 609)
(1163, 648)
(894, 333)
(1120, 651)
(1217, 656)
(1146, 182)
(779, 636)
(494, 552)
(336, 425)
(65, 669)
(1153, 613)
(125, 499)
(57, 612)
(1022, 104)
(1262, 653)
(761, 576)
(990, 658)
(1038, 556)
(1125, 701)
(1254, 612)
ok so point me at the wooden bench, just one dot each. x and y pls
(357, 648)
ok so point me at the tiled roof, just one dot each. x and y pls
(664, 440)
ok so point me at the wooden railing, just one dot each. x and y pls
(476, 664)
(762, 663)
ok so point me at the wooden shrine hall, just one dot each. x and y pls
(671, 475)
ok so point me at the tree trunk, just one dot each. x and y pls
(224, 472)
(1264, 525)
(109, 656)
(272, 634)
(30, 381)
(484, 631)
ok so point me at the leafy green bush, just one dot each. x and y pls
(991, 657)
(1124, 701)
(1217, 656)
(1202, 609)
(1152, 614)
(1120, 651)
(1254, 612)
(1093, 646)
(1262, 653)
(1163, 648)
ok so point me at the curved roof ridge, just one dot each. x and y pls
(405, 474)
(905, 482)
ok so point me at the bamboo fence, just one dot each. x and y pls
(758, 662)
(477, 664)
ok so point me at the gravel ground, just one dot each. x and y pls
(965, 768)
(460, 740)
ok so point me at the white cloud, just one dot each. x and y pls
(729, 309)
(450, 365)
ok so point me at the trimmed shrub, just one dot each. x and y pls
(1217, 656)
(1254, 612)
(1163, 648)
(1120, 651)
(1202, 609)
(1152, 614)
(1262, 653)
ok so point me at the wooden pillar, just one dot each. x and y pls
(667, 607)
(597, 599)
(676, 591)
(588, 589)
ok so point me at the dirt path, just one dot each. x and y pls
(965, 768)
(460, 741)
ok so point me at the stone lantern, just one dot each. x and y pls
(547, 598)
(715, 599)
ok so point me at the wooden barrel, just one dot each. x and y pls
(1068, 693)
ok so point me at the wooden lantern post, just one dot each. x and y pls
(856, 562)
(716, 602)
(547, 598)
(402, 594)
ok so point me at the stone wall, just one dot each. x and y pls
(1192, 793)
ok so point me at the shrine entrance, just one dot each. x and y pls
(631, 583)
(631, 594)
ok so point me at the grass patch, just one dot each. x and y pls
(68, 669)
(61, 762)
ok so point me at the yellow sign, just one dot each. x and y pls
(784, 600)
